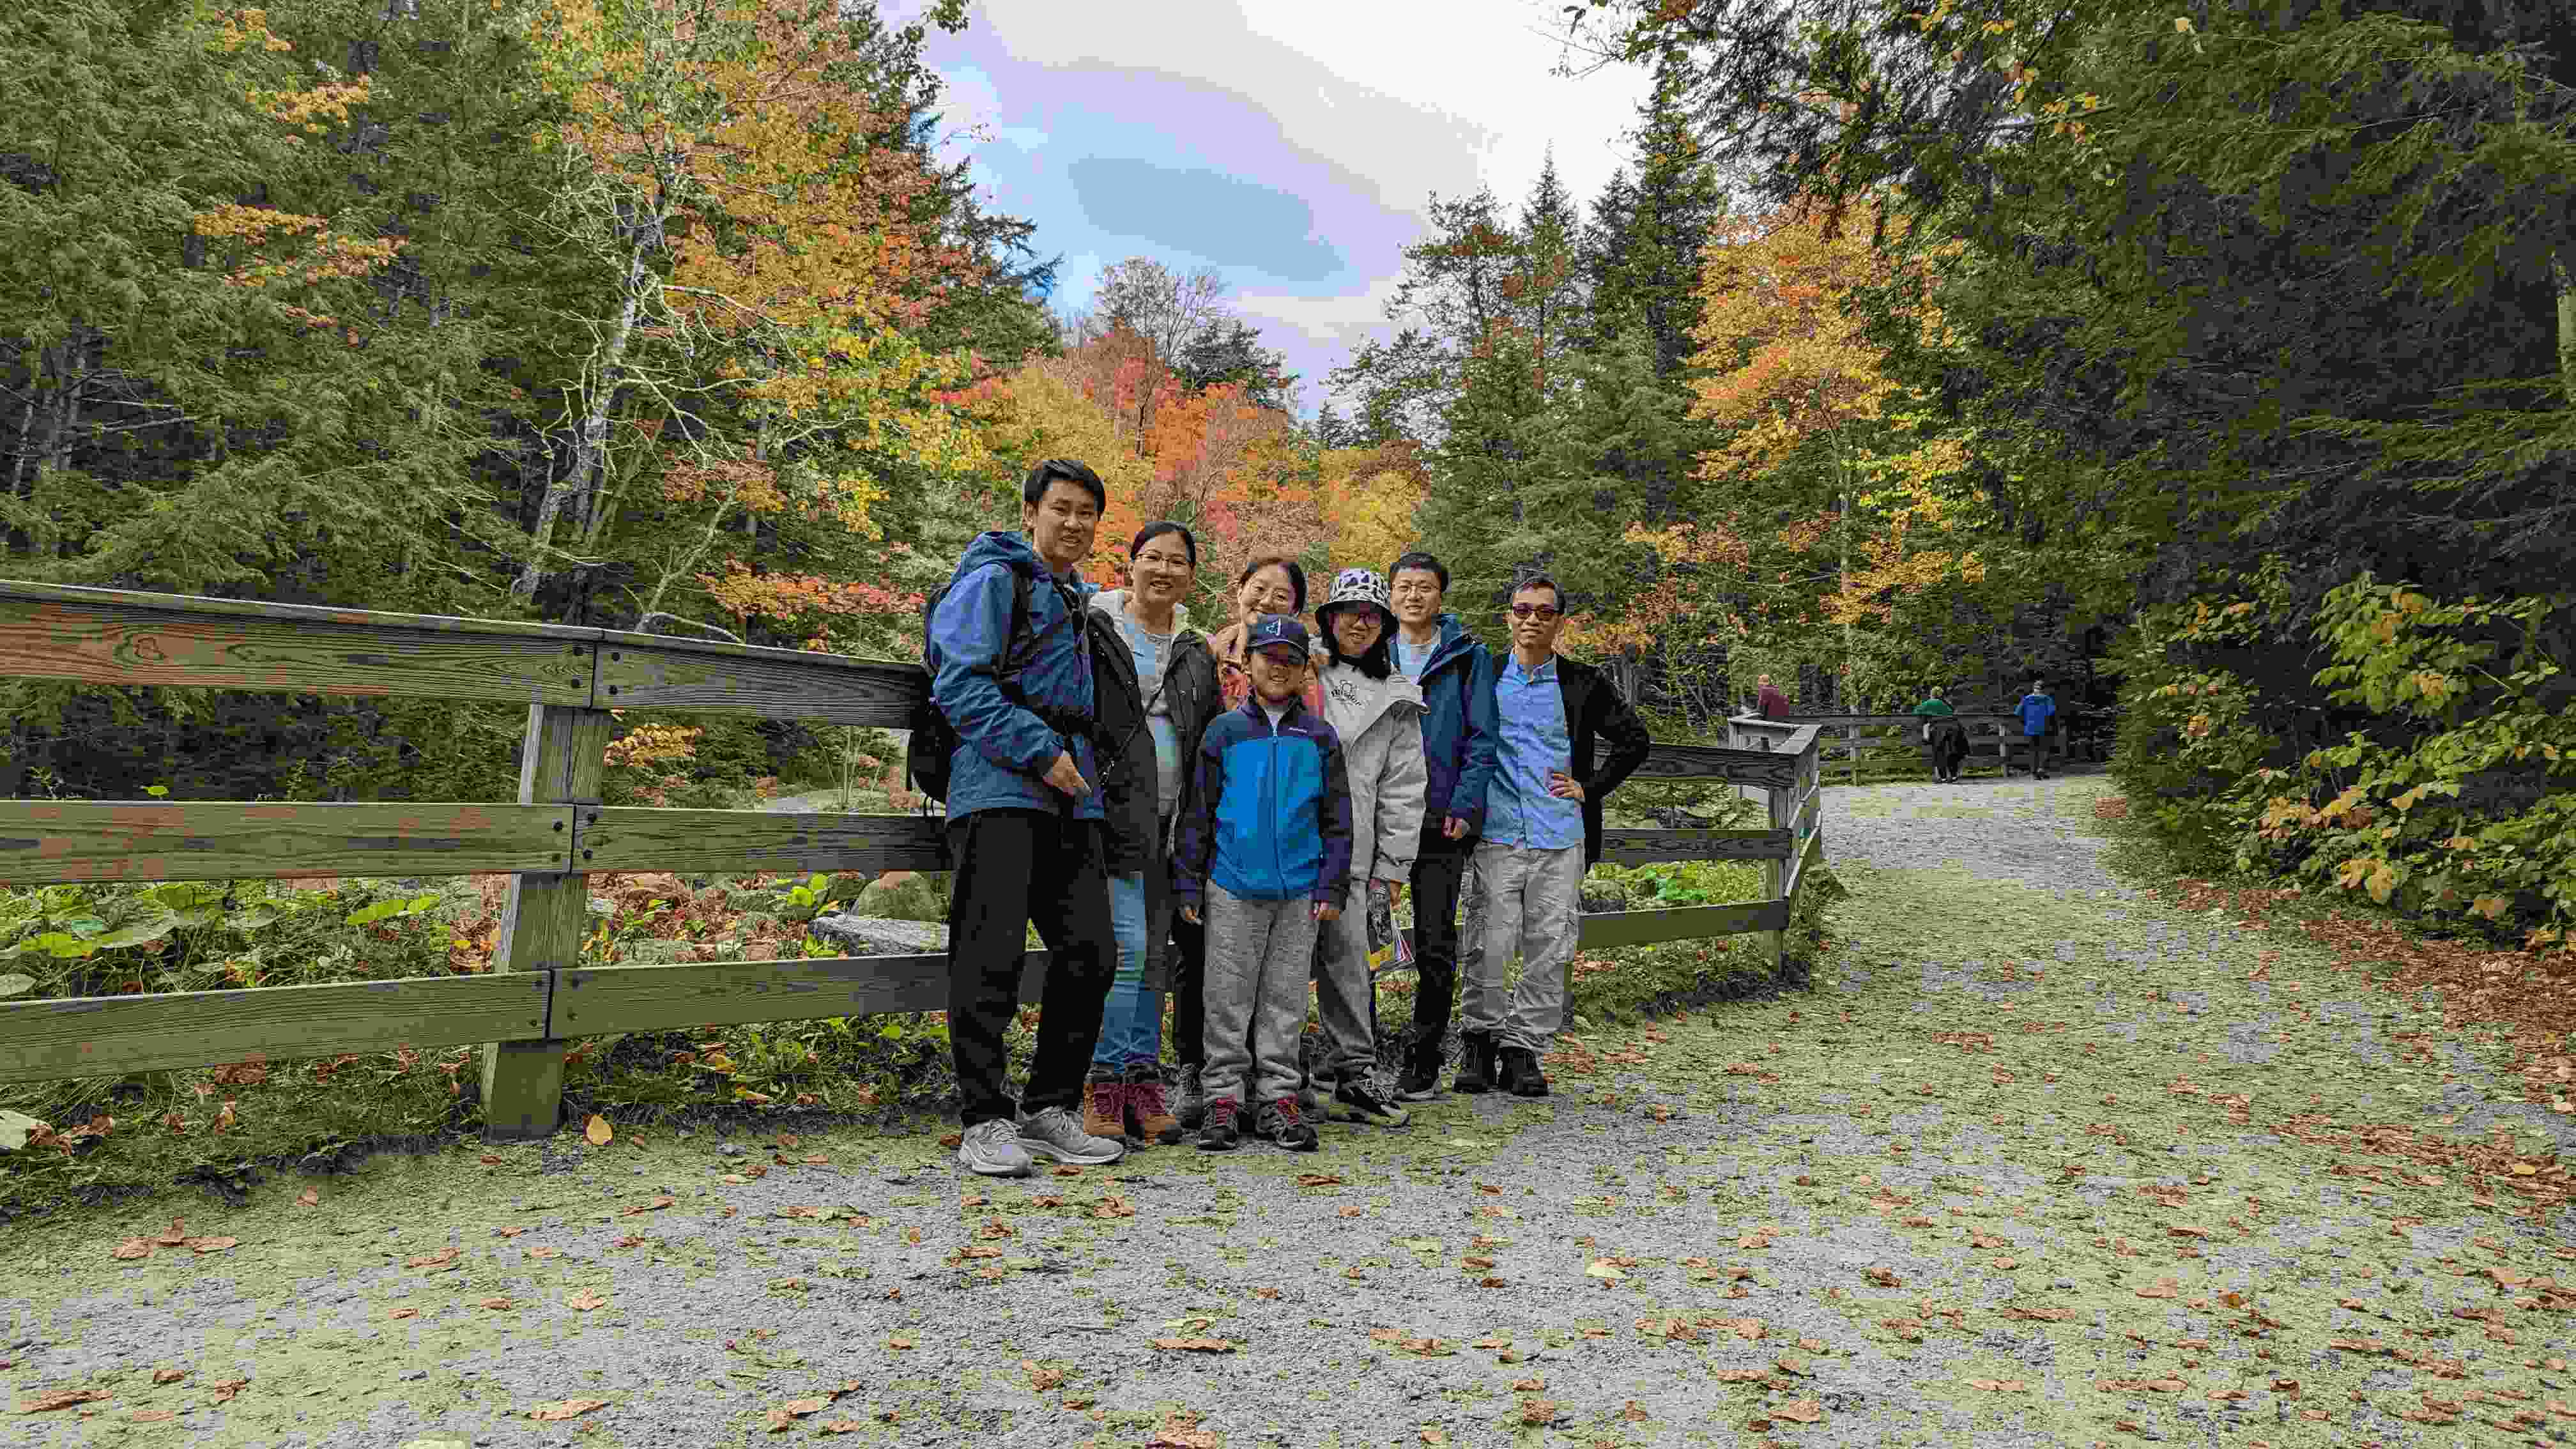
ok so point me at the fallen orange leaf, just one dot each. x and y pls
(46, 1403)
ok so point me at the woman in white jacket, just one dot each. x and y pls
(1378, 714)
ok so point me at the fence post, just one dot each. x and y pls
(1775, 873)
(541, 927)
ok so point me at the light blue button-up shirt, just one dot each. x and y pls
(1518, 808)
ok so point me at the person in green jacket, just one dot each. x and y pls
(1931, 709)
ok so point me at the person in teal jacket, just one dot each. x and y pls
(1931, 712)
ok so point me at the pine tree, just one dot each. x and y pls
(1647, 234)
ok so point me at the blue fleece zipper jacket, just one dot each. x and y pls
(1270, 817)
(1004, 749)
(1460, 732)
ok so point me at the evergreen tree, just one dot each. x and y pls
(1449, 301)
(1647, 234)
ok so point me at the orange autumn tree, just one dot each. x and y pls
(1234, 471)
(765, 270)
(1832, 501)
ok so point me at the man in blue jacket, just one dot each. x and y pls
(2036, 710)
(1024, 824)
(1457, 678)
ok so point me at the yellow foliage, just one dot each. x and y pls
(654, 744)
(1369, 507)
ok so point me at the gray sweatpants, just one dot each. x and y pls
(1531, 906)
(1346, 997)
(1258, 957)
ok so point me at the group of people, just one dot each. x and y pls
(1945, 740)
(1218, 815)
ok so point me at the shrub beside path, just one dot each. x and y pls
(2039, 1159)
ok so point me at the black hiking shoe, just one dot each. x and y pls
(1521, 1075)
(1475, 1063)
(1354, 1102)
(1285, 1126)
(1420, 1081)
(1217, 1132)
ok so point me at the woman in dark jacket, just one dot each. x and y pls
(1157, 692)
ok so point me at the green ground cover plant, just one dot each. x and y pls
(2441, 787)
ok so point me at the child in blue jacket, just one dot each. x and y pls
(1266, 842)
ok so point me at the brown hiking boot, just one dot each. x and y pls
(1147, 1119)
(1104, 1106)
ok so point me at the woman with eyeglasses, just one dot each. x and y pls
(1271, 584)
(1159, 677)
(1378, 714)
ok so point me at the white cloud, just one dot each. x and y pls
(1344, 320)
(1484, 63)
(1414, 97)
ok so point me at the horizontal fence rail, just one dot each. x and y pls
(43, 841)
(115, 636)
(537, 996)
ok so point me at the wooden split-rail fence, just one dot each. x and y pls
(538, 995)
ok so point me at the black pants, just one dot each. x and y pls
(1186, 973)
(1438, 871)
(2035, 754)
(1016, 868)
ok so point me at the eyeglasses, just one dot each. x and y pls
(1540, 612)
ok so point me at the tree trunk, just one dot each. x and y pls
(2566, 325)
(590, 444)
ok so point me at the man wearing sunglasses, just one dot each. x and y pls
(1566, 741)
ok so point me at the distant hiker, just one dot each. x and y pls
(1265, 844)
(1949, 748)
(1456, 674)
(1158, 692)
(1770, 703)
(1272, 584)
(1931, 711)
(1542, 830)
(1378, 715)
(1011, 671)
(2036, 710)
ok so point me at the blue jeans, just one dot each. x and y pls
(1131, 1024)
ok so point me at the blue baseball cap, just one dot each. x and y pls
(1272, 629)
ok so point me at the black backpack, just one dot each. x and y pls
(934, 740)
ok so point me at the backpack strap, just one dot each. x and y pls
(1022, 650)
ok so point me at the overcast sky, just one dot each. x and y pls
(1290, 144)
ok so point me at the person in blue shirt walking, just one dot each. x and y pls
(1542, 830)
(2036, 710)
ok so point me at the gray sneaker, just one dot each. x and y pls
(993, 1149)
(1189, 1100)
(1056, 1133)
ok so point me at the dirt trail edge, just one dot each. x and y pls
(2038, 1161)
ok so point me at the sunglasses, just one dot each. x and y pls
(1540, 612)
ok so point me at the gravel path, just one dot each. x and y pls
(2034, 1163)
